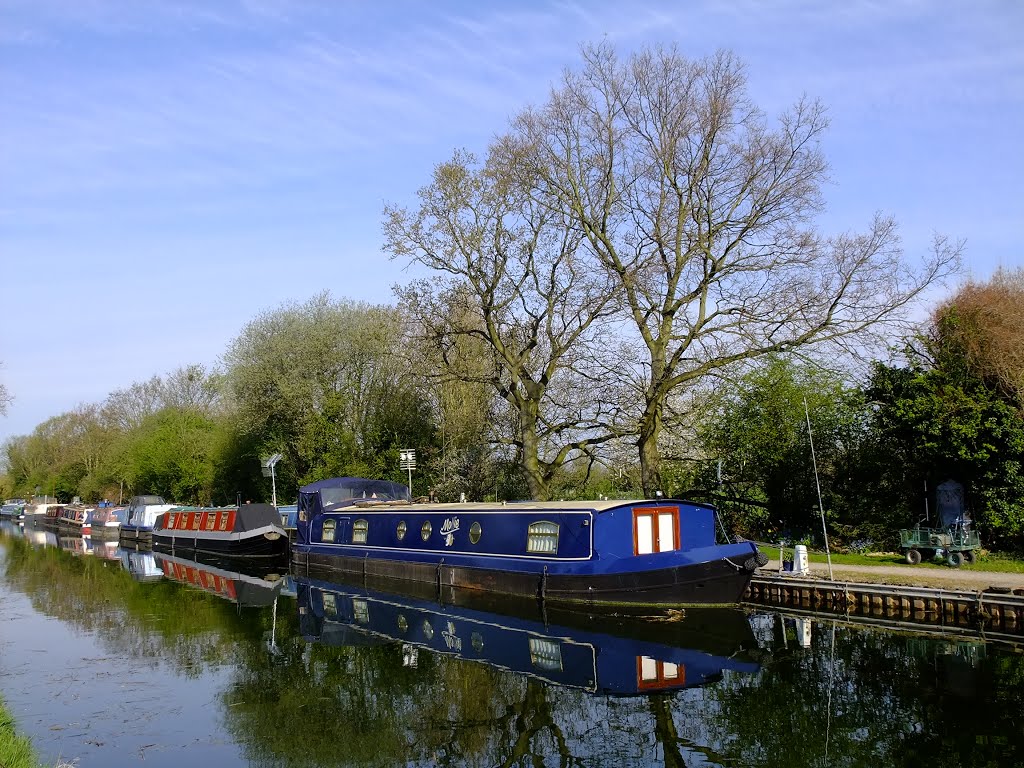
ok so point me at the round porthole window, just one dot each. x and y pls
(428, 631)
(425, 530)
(477, 641)
(474, 532)
(401, 530)
(403, 623)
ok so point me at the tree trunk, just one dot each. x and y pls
(535, 476)
(647, 442)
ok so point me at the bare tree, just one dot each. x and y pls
(509, 279)
(191, 387)
(127, 408)
(702, 213)
(5, 397)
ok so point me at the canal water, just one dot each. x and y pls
(112, 657)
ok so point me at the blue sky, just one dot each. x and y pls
(168, 170)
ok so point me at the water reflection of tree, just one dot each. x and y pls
(870, 701)
(154, 621)
(874, 699)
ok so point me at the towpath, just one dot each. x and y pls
(939, 577)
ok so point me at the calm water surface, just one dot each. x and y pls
(114, 658)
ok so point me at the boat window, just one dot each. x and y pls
(172, 520)
(428, 630)
(330, 605)
(328, 532)
(545, 654)
(542, 538)
(477, 641)
(211, 521)
(361, 611)
(359, 529)
(425, 530)
(652, 673)
(401, 530)
(403, 623)
(474, 533)
(197, 518)
(226, 520)
(655, 530)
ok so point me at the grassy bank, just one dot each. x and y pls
(996, 563)
(15, 751)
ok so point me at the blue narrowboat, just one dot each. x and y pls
(608, 655)
(657, 552)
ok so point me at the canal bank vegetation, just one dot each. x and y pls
(15, 751)
(629, 293)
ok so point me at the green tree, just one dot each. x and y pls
(171, 454)
(757, 441)
(937, 422)
(324, 383)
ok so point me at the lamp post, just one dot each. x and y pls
(268, 469)
(407, 460)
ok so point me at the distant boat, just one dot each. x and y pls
(249, 530)
(48, 511)
(611, 655)
(77, 517)
(13, 509)
(653, 552)
(141, 516)
(289, 516)
(107, 521)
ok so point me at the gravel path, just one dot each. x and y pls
(941, 577)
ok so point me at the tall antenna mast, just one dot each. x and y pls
(821, 507)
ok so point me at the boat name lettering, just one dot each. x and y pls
(450, 525)
(452, 640)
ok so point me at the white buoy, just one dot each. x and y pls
(800, 562)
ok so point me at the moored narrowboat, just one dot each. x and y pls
(141, 516)
(655, 552)
(107, 521)
(13, 509)
(249, 530)
(78, 518)
(48, 513)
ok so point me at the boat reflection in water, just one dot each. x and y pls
(253, 586)
(40, 536)
(601, 653)
(141, 564)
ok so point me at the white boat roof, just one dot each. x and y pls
(596, 505)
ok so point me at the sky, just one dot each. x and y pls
(171, 169)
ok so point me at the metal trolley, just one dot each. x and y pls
(954, 540)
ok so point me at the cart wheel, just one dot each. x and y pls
(955, 559)
(913, 556)
(969, 557)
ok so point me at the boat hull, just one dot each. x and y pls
(714, 582)
(257, 545)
